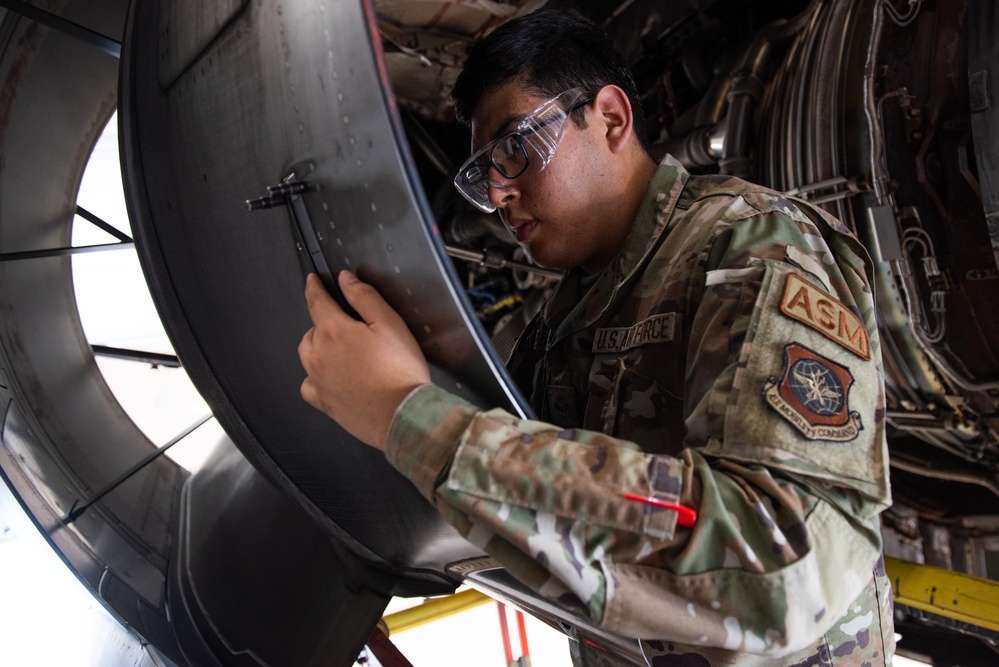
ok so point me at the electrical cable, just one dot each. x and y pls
(900, 20)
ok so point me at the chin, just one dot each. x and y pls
(547, 262)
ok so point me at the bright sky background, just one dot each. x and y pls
(116, 310)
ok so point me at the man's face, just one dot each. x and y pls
(548, 211)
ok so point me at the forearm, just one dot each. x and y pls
(550, 505)
(570, 473)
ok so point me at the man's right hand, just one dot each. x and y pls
(358, 372)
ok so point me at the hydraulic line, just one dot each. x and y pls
(927, 470)
(746, 89)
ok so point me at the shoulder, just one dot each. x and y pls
(745, 218)
(731, 199)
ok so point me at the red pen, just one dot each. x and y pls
(685, 516)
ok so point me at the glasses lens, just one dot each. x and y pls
(476, 173)
(472, 180)
(544, 128)
(509, 156)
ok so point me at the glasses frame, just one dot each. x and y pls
(476, 190)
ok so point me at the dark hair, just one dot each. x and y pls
(551, 50)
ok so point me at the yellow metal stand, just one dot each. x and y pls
(434, 609)
(953, 595)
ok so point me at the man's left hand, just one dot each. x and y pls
(358, 372)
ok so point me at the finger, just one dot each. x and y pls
(305, 348)
(309, 393)
(365, 299)
(318, 300)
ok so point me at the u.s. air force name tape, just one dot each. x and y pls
(656, 329)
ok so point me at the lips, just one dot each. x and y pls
(522, 228)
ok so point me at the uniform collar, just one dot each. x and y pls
(571, 307)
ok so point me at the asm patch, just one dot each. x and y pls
(821, 311)
(813, 395)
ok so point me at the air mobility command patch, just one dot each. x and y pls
(813, 395)
(823, 312)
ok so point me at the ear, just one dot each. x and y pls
(614, 111)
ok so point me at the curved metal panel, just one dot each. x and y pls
(282, 89)
(64, 436)
(253, 581)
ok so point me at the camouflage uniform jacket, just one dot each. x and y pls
(727, 361)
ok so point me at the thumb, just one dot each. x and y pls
(365, 299)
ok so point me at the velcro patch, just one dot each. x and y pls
(821, 311)
(813, 395)
(656, 329)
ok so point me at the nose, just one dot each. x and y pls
(501, 190)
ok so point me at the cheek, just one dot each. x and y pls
(567, 195)
(563, 188)
(540, 195)
(580, 171)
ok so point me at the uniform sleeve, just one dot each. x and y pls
(784, 464)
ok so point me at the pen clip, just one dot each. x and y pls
(685, 516)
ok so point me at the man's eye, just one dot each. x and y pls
(510, 146)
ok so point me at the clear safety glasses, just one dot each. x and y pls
(540, 131)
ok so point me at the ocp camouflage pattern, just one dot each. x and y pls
(675, 374)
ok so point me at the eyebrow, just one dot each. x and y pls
(503, 128)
